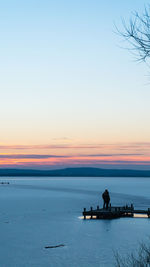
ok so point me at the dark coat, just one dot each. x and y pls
(106, 196)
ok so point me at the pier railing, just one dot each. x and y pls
(114, 212)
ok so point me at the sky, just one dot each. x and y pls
(71, 94)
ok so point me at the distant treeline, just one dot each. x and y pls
(76, 172)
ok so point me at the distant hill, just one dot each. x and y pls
(76, 172)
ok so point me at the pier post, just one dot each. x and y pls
(84, 214)
(132, 207)
(110, 207)
(148, 213)
(97, 207)
(91, 212)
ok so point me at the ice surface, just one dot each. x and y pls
(40, 212)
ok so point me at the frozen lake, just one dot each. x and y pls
(39, 212)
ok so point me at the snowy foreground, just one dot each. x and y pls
(40, 224)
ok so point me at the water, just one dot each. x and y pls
(39, 212)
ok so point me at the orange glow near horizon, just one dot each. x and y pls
(75, 154)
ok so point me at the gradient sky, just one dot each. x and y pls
(70, 95)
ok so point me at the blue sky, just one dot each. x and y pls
(65, 77)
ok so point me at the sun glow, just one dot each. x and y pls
(75, 154)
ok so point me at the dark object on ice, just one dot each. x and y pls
(57, 246)
(106, 199)
(4, 182)
(114, 212)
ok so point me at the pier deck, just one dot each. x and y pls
(114, 212)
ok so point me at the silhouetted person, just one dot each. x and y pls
(106, 199)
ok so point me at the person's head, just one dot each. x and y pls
(106, 190)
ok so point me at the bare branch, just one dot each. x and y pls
(137, 33)
(140, 258)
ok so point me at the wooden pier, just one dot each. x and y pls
(114, 212)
